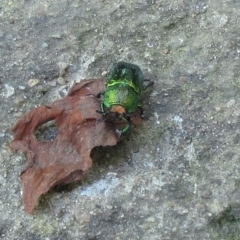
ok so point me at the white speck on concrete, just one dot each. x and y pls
(101, 187)
(157, 117)
(9, 90)
(178, 120)
(190, 154)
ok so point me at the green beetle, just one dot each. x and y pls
(125, 83)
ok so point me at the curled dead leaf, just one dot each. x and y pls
(66, 159)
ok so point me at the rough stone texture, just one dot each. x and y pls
(177, 176)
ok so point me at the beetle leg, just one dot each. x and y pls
(141, 111)
(150, 83)
(98, 95)
(102, 109)
(118, 132)
(126, 129)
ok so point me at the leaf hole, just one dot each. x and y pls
(47, 131)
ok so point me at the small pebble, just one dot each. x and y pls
(82, 217)
(52, 83)
(166, 51)
(151, 219)
(121, 50)
(61, 81)
(9, 149)
(62, 68)
(18, 114)
(57, 36)
(19, 101)
(33, 82)
(109, 207)
(21, 87)
(104, 73)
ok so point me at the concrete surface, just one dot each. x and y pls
(177, 176)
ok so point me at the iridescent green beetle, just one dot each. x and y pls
(125, 83)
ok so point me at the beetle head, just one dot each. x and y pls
(116, 113)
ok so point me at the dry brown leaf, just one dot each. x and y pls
(67, 158)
